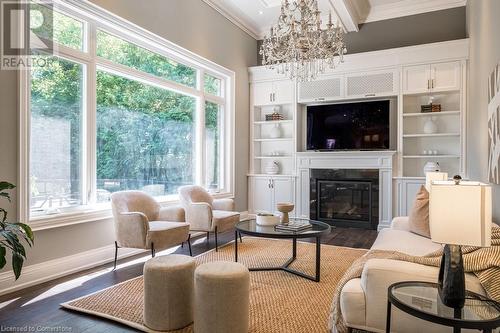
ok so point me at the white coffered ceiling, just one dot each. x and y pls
(257, 16)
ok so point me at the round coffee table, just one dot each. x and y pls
(251, 228)
(421, 300)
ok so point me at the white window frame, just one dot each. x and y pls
(95, 18)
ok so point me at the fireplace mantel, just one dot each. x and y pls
(380, 160)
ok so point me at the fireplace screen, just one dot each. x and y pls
(344, 200)
(345, 197)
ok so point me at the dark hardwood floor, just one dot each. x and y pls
(36, 309)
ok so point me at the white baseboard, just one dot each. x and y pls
(56, 268)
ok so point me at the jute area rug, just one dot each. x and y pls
(279, 301)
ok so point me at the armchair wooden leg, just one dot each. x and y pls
(216, 244)
(208, 236)
(153, 252)
(182, 245)
(241, 240)
(189, 245)
(116, 254)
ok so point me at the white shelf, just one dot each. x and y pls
(262, 122)
(435, 135)
(431, 114)
(267, 175)
(272, 140)
(271, 157)
(431, 156)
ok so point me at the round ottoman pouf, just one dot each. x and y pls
(168, 292)
(222, 298)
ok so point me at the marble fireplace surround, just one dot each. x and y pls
(379, 160)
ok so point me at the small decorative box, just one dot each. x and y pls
(430, 108)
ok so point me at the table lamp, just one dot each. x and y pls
(459, 214)
(434, 176)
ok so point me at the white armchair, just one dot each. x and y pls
(203, 213)
(141, 223)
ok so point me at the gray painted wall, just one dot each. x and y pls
(418, 29)
(483, 27)
(189, 23)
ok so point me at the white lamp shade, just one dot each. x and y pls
(460, 214)
(434, 176)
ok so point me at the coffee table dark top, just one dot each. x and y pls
(250, 227)
(422, 300)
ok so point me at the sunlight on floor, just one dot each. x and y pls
(4, 304)
(77, 282)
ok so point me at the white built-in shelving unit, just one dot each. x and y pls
(409, 76)
(444, 83)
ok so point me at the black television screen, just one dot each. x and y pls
(349, 126)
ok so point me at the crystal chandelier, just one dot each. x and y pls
(298, 46)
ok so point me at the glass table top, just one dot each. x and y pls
(251, 227)
(424, 297)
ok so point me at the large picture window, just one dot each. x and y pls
(115, 109)
(56, 136)
(145, 137)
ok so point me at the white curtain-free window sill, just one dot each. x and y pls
(95, 213)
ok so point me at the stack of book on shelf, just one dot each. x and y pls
(294, 226)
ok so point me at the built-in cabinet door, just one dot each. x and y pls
(262, 93)
(283, 189)
(445, 76)
(283, 92)
(372, 84)
(432, 78)
(261, 194)
(408, 189)
(321, 90)
(416, 79)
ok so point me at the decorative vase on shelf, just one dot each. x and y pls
(431, 167)
(430, 126)
(272, 168)
(275, 132)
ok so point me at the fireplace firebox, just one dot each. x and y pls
(345, 197)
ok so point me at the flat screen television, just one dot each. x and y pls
(349, 126)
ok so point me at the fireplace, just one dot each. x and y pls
(345, 197)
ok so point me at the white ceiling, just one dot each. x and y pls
(257, 16)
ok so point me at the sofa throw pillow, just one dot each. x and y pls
(419, 215)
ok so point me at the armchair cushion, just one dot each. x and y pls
(166, 234)
(193, 193)
(224, 220)
(135, 201)
(223, 204)
(172, 214)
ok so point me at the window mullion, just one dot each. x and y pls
(200, 133)
(91, 151)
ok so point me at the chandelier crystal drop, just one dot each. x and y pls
(298, 46)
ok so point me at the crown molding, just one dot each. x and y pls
(409, 7)
(239, 22)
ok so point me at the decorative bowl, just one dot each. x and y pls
(267, 220)
(285, 208)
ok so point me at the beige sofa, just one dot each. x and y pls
(363, 300)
